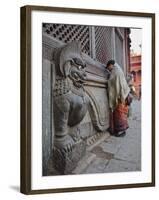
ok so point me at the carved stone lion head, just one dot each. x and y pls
(69, 63)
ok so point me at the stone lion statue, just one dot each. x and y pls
(70, 101)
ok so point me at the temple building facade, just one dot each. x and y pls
(135, 70)
(98, 44)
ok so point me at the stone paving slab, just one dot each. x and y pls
(111, 145)
(116, 154)
(120, 166)
(97, 166)
(130, 151)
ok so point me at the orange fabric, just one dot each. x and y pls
(119, 118)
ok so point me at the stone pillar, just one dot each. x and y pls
(92, 42)
(46, 114)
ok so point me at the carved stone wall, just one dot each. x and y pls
(95, 90)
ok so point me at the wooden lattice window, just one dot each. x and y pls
(103, 43)
(67, 33)
(119, 51)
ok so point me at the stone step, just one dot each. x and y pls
(84, 163)
(97, 141)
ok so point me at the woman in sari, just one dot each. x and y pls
(119, 100)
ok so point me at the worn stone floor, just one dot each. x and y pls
(116, 154)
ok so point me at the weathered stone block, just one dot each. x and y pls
(65, 161)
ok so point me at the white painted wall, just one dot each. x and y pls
(10, 104)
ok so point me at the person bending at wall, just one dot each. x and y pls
(119, 99)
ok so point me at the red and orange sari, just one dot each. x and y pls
(118, 96)
(119, 118)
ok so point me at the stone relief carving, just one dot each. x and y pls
(95, 114)
(70, 106)
(71, 101)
